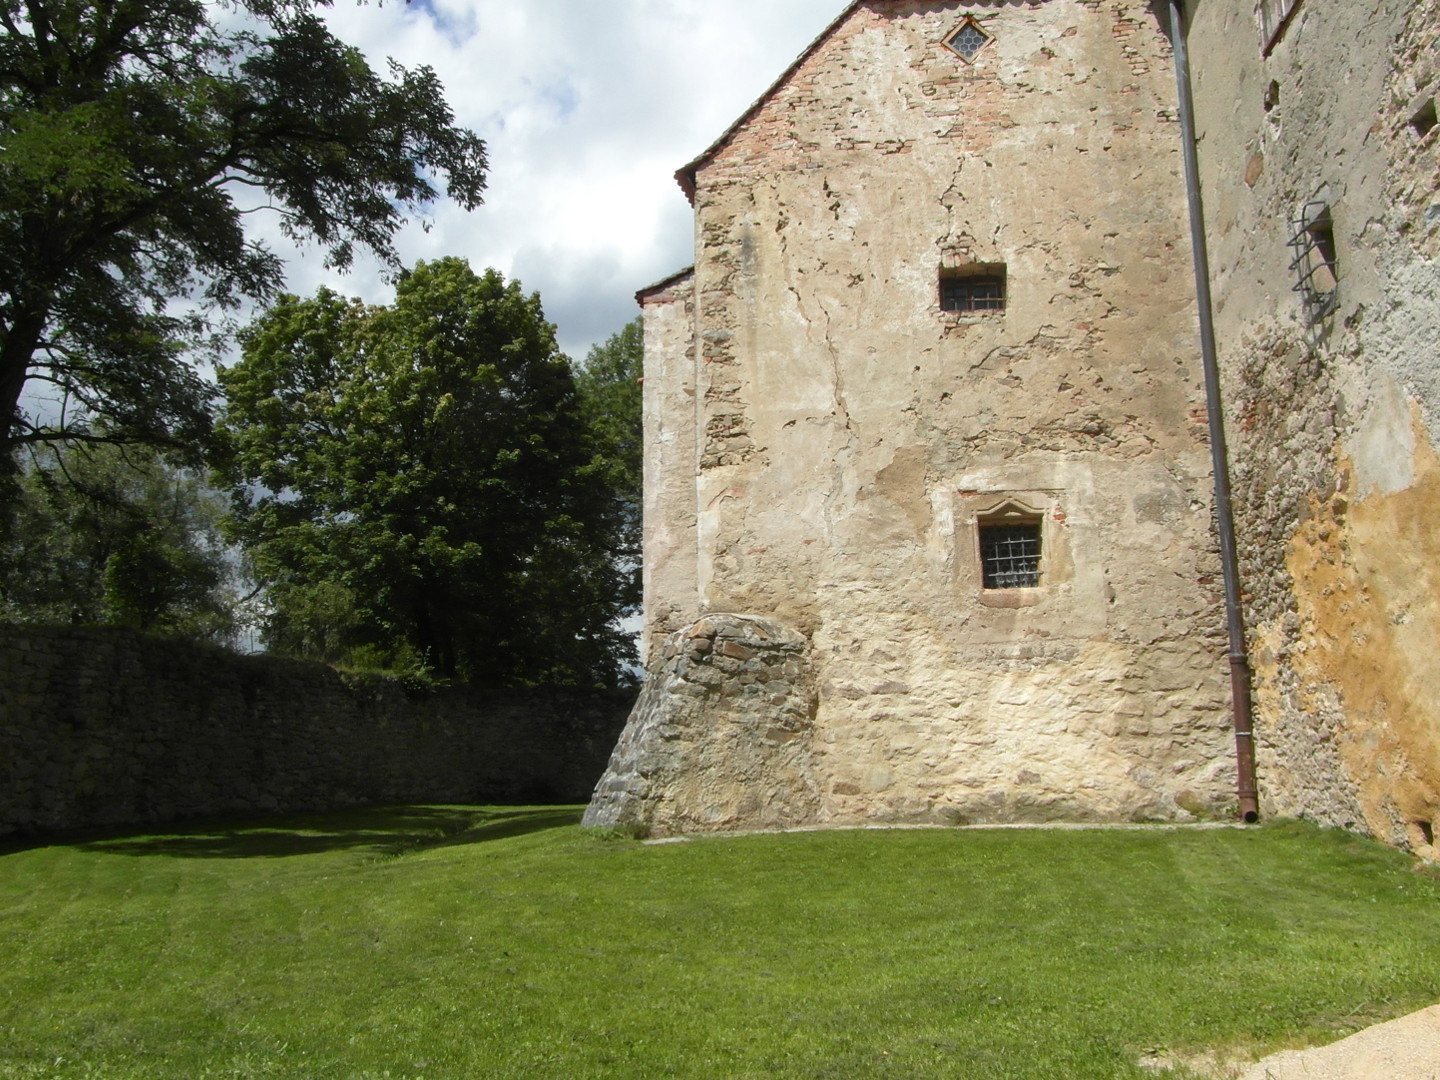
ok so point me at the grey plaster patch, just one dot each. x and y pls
(1383, 446)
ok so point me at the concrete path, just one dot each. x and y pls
(1403, 1049)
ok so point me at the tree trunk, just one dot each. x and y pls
(21, 339)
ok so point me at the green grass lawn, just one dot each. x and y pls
(462, 943)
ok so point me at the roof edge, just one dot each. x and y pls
(663, 283)
(685, 175)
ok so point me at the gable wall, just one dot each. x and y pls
(848, 430)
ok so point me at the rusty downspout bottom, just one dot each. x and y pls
(1246, 789)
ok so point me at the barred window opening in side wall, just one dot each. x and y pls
(1315, 262)
(1010, 554)
(978, 287)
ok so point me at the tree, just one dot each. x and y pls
(138, 136)
(421, 477)
(120, 536)
(609, 384)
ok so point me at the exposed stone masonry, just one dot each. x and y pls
(721, 735)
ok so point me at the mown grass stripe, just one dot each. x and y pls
(441, 943)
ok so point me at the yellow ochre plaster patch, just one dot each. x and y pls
(1365, 579)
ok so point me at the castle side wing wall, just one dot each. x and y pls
(1321, 180)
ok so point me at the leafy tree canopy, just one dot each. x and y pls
(610, 391)
(135, 137)
(418, 485)
(117, 535)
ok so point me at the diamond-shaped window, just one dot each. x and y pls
(968, 40)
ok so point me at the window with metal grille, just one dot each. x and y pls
(1312, 240)
(972, 293)
(1010, 556)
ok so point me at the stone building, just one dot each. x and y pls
(928, 481)
(1319, 156)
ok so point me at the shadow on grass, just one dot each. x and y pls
(387, 831)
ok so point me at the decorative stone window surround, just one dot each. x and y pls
(1045, 508)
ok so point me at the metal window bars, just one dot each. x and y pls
(972, 293)
(1312, 242)
(1010, 556)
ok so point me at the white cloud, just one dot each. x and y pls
(588, 107)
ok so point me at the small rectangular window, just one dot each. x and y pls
(1010, 556)
(973, 293)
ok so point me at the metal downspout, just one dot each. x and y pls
(1219, 456)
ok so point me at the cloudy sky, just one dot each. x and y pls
(588, 107)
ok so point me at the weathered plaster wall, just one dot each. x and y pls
(670, 597)
(1333, 426)
(110, 727)
(849, 431)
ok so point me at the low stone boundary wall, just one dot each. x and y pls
(103, 727)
